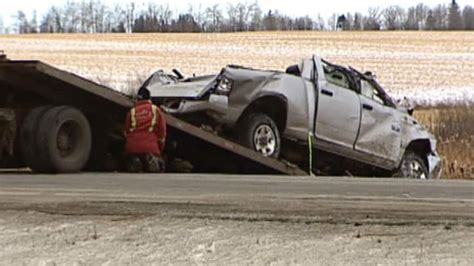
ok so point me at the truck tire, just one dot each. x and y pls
(259, 132)
(28, 135)
(64, 141)
(412, 166)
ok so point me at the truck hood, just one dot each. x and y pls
(189, 88)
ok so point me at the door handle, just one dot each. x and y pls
(327, 93)
(367, 107)
(396, 128)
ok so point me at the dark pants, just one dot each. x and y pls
(149, 163)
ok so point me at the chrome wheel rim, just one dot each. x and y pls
(264, 140)
(414, 169)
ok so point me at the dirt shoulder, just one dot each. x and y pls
(29, 237)
(178, 219)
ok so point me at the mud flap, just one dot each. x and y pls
(7, 131)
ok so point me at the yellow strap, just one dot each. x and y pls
(310, 153)
(154, 119)
(133, 117)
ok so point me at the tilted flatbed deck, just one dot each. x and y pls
(34, 83)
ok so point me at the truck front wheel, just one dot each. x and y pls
(412, 166)
(64, 141)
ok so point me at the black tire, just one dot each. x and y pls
(249, 127)
(64, 141)
(413, 166)
(28, 135)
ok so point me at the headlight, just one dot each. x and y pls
(224, 86)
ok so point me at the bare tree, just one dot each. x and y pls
(2, 29)
(34, 23)
(53, 21)
(244, 13)
(440, 14)
(70, 17)
(421, 12)
(117, 19)
(214, 18)
(232, 17)
(430, 21)
(129, 17)
(100, 17)
(358, 21)
(411, 23)
(151, 18)
(349, 24)
(22, 24)
(302, 23)
(256, 18)
(394, 17)
(198, 15)
(321, 24)
(270, 21)
(373, 19)
(332, 22)
(454, 17)
(91, 16)
(165, 17)
(467, 16)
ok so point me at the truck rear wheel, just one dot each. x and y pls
(64, 141)
(259, 132)
(28, 136)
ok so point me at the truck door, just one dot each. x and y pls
(380, 131)
(338, 109)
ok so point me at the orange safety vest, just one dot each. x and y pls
(154, 119)
(145, 129)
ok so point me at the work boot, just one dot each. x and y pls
(134, 165)
(153, 164)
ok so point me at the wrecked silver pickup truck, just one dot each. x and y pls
(352, 124)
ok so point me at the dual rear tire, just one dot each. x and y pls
(55, 140)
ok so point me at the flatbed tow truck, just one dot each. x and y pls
(53, 121)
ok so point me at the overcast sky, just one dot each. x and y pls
(290, 7)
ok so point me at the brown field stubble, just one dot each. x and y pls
(410, 63)
(453, 127)
(403, 61)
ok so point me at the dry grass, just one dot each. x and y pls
(428, 67)
(454, 128)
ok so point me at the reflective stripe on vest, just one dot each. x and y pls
(154, 119)
(133, 117)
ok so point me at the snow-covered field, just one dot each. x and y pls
(427, 67)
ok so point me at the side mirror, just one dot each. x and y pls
(178, 74)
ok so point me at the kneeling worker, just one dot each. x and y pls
(146, 135)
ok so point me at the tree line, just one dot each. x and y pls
(93, 16)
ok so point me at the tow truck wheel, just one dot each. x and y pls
(64, 140)
(260, 133)
(28, 136)
(413, 166)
